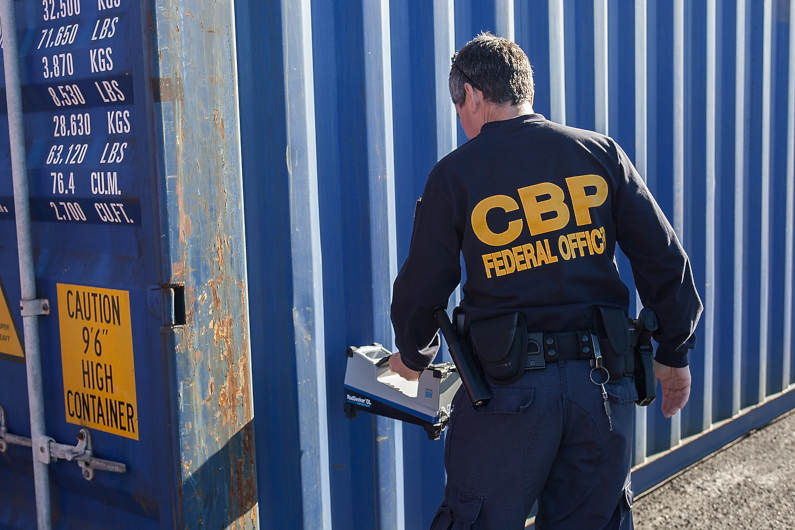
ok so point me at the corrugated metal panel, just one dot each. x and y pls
(163, 228)
(343, 111)
(686, 87)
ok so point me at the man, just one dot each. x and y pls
(536, 209)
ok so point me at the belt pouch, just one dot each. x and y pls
(500, 344)
(616, 325)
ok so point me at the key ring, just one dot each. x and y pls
(601, 370)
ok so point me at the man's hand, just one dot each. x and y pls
(397, 366)
(675, 384)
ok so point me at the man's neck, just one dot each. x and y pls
(496, 112)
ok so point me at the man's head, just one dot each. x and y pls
(489, 76)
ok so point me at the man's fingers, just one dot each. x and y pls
(675, 384)
(674, 399)
(397, 366)
(670, 404)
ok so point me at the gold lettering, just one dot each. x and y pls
(541, 253)
(510, 262)
(520, 257)
(581, 202)
(481, 228)
(498, 264)
(599, 246)
(581, 242)
(564, 247)
(573, 244)
(551, 257)
(488, 263)
(588, 242)
(530, 254)
(534, 208)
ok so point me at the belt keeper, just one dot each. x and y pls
(551, 346)
(586, 344)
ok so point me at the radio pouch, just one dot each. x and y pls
(500, 344)
(616, 327)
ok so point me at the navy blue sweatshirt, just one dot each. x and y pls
(536, 209)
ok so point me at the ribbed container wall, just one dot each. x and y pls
(344, 111)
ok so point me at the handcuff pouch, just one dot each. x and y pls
(500, 343)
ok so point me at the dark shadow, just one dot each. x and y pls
(224, 488)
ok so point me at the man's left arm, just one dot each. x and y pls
(428, 276)
(660, 266)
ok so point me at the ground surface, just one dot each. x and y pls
(750, 484)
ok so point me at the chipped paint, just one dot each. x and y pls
(205, 241)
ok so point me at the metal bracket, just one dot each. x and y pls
(7, 439)
(35, 308)
(47, 450)
(82, 453)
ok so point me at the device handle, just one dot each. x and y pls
(382, 361)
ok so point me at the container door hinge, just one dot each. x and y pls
(49, 451)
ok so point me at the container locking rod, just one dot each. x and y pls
(48, 450)
(82, 453)
(7, 438)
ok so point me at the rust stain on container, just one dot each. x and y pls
(218, 450)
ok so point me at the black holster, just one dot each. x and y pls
(500, 345)
(645, 325)
(633, 356)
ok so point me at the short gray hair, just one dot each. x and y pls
(495, 66)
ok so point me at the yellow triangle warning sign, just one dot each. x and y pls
(9, 338)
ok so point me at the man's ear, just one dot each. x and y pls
(473, 97)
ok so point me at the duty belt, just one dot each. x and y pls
(547, 347)
(544, 347)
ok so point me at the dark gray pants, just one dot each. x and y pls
(546, 438)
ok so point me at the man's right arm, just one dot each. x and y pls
(429, 274)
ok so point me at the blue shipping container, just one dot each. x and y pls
(353, 100)
(202, 342)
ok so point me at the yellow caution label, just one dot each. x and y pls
(97, 359)
(9, 338)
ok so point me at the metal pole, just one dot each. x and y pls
(764, 211)
(443, 49)
(504, 15)
(739, 210)
(641, 164)
(600, 50)
(709, 284)
(679, 154)
(557, 63)
(27, 276)
(790, 211)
